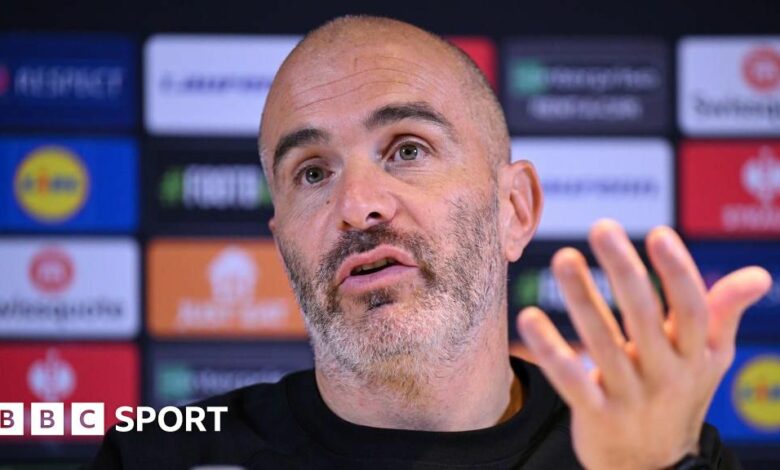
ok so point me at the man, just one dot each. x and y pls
(396, 212)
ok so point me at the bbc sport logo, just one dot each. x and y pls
(87, 419)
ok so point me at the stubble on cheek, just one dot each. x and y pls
(317, 291)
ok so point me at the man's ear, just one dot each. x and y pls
(521, 206)
(272, 224)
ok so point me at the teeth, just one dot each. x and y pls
(378, 264)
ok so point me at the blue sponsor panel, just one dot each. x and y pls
(746, 407)
(716, 259)
(72, 81)
(68, 184)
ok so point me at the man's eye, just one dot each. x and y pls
(408, 152)
(313, 174)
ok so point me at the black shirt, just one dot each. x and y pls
(288, 425)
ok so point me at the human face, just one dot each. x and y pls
(373, 159)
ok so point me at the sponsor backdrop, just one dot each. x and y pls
(137, 263)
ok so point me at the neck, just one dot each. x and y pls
(474, 390)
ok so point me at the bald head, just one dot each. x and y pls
(340, 37)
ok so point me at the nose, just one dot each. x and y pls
(365, 199)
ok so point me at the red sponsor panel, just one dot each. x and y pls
(730, 189)
(68, 373)
(482, 51)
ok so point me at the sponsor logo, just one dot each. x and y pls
(51, 184)
(205, 187)
(531, 77)
(756, 392)
(198, 84)
(86, 419)
(67, 291)
(729, 85)
(761, 69)
(730, 188)
(586, 179)
(232, 276)
(57, 380)
(241, 289)
(68, 184)
(184, 373)
(210, 84)
(760, 177)
(51, 378)
(179, 383)
(570, 86)
(71, 81)
(214, 187)
(51, 271)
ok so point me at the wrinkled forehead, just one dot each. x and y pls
(336, 75)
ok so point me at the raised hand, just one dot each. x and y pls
(644, 403)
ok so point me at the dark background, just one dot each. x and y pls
(662, 17)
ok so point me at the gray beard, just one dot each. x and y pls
(403, 349)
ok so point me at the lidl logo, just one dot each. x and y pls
(761, 69)
(756, 393)
(51, 184)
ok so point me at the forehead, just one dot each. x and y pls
(332, 86)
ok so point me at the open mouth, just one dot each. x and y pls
(374, 267)
(379, 267)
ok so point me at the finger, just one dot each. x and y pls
(684, 290)
(594, 322)
(559, 362)
(634, 295)
(729, 298)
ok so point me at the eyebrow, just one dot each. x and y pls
(384, 116)
(418, 110)
(297, 138)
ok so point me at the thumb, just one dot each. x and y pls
(729, 298)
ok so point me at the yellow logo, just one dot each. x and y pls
(756, 393)
(51, 184)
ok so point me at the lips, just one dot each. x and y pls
(374, 265)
